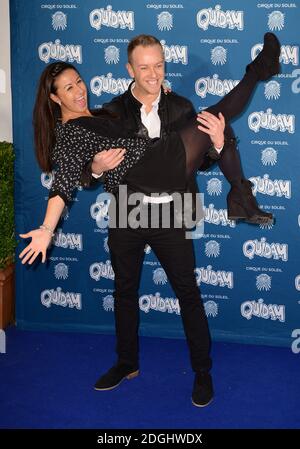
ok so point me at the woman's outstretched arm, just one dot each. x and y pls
(41, 238)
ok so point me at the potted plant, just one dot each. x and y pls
(7, 234)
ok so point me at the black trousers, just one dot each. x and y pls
(176, 255)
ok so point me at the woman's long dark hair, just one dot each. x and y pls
(46, 112)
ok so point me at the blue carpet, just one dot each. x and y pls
(47, 378)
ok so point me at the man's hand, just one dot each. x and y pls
(213, 126)
(107, 160)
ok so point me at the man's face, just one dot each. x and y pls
(147, 67)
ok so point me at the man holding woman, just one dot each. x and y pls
(150, 114)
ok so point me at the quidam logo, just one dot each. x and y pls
(100, 270)
(296, 343)
(276, 21)
(58, 52)
(68, 240)
(272, 90)
(211, 309)
(164, 21)
(159, 276)
(288, 53)
(212, 249)
(60, 298)
(156, 302)
(261, 248)
(47, 180)
(263, 282)
(219, 278)
(111, 54)
(274, 122)
(214, 86)
(271, 187)
(107, 84)
(217, 216)
(221, 19)
(112, 19)
(175, 53)
(61, 271)
(59, 21)
(260, 310)
(214, 187)
(296, 83)
(218, 55)
(269, 156)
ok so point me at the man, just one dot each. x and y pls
(151, 113)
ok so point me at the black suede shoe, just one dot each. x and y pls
(266, 63)
(203, 391)
(242, 205)
(114, 377)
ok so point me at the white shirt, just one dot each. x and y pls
(151, 120)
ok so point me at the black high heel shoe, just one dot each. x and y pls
(242, 205)
(266, 63)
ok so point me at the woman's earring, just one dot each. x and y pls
(59, 102)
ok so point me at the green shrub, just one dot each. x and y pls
(7, 229)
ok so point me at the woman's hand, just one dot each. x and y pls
(40, 240)
(213, 126)
(107, 160)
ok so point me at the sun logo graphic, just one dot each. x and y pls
(212, 248)
(108, 303)
(47, 179)
(159, 276)
(59, 21)
(111, 55)
(297, 282)
(166, 84)
(211, 308)
(147, 249)
(214, 187)
(165, 21)
(105, 245)
(218, 55)
(61, 271)
(272, 90)
(263, 282)
(266, 226)
(276, 20)
(269, 156)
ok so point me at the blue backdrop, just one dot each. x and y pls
(249, 276)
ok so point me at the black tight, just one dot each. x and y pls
(197, 143)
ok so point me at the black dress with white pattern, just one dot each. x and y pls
(151, 166)
(77, 142)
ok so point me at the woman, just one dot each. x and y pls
(70, 143)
